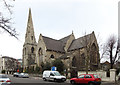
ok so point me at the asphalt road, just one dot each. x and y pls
(34, 81)
(39, 81)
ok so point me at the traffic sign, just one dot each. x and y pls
(53, 68)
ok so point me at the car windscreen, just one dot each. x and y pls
(96, 76)
(3, 76)
(57, 74)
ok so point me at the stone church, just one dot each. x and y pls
(73, 52)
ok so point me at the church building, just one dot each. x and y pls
(73, 52)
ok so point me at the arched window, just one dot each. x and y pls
(32, 37)
(74, 61)
(40, 51)
(52, 56)
(32, 50)
(93, 47)
(83, 59)
(93, 53)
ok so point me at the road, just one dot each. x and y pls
(39, 81)
(34, 81)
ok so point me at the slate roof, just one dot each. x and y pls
(58, 45)
(52, 44)
(64, 40)
(8, 57)
(80, 42)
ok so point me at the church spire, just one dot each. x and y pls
(72, 32)
(30, 17)
(30, 37)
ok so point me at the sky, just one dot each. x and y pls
(58, 18)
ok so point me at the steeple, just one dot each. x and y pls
(30, 44)
(30, 37)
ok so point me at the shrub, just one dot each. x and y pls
(3, 72)
(59, 64)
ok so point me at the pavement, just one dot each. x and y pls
(37, 78)
(108, 83)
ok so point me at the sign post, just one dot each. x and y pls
(53, 68)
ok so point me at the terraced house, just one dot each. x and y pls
(73, 52)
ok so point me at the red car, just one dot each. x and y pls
(90, 79)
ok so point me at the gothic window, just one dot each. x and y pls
(32, 50)
(40, 51)
(32, 37)
(52, 56)
(93, 53)
(83, 59)
(74, 62)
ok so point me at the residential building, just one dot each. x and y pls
(8, 64)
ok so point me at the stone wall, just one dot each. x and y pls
(70, 40)
(55, 54)
(103, 74)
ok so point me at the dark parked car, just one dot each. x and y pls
(90, 79)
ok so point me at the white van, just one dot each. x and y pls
(53, 75)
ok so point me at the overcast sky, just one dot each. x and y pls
(58, 18)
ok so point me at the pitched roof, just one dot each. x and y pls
(64, 40)
(58, 45)
(52, 44)
(80, 42)
(8, 57)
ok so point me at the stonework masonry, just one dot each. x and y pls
(70, 50)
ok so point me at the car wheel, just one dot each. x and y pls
(44, 79)
(63, 80)
(72, 82)
(55, 80)
(91, 83)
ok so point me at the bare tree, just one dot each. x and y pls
(112, 46)
(5, 23)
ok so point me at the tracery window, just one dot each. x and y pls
(93, 53)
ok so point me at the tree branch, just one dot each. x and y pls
(8, 6)
(5, 23)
